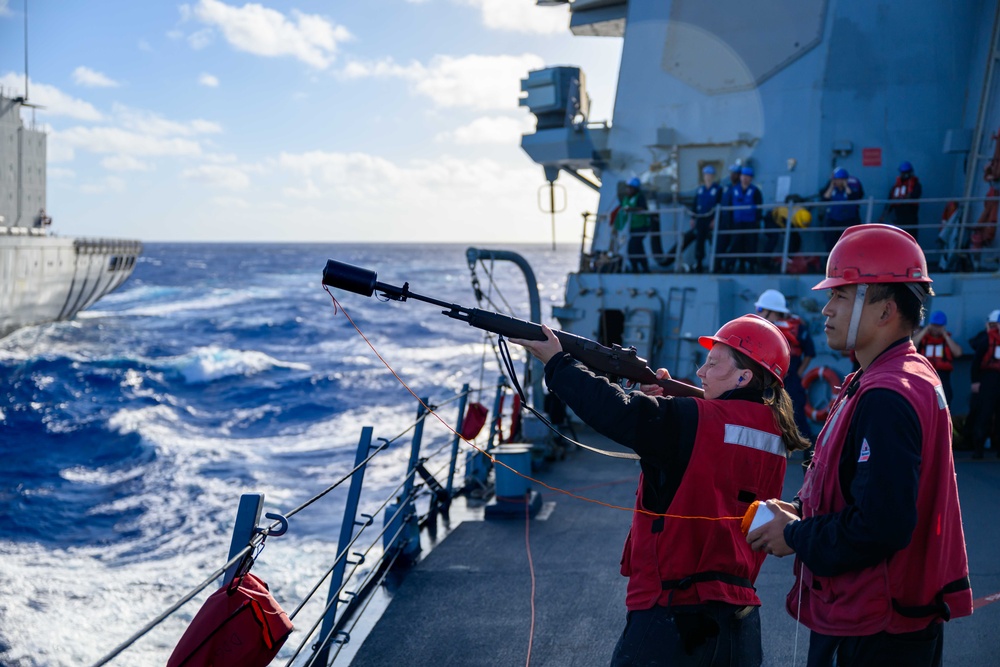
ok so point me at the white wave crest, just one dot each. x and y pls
(206, 364)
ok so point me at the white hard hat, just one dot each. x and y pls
(994, 316)
(772, 299)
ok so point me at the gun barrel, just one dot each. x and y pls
(349, 277)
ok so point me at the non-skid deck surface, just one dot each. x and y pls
(468, 602)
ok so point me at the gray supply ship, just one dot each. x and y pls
(45, 277)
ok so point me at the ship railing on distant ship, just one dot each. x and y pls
(950, 244)
(363, 561)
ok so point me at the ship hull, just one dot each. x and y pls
(46, 278)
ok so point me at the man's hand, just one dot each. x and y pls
(543, 350)
(770, 538)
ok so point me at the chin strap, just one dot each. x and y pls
(859, 304)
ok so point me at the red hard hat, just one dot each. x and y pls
(757, 338)
(875, 253)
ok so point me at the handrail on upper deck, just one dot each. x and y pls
(955, 246)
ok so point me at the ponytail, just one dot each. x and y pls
(776, 398)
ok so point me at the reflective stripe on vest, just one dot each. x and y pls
(749, 437)
(732, 464)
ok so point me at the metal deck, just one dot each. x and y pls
(469, 601)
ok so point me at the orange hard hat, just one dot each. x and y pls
(873, 253)
(757, 338)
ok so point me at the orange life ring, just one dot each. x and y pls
(819, 414)
(515, 419)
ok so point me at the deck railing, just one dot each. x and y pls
(363, 560)
(949, 245)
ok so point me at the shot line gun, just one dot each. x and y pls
(615, 360)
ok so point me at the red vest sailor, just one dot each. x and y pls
(704, 461)
(877, 528)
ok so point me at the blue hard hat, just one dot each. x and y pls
(634, 182)
(734, 169)
(905, 166)
(939, 318)
(708, 169)
(840, 172)
(747, 171)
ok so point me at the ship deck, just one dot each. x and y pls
(469, 601)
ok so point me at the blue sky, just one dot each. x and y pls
(358, 120)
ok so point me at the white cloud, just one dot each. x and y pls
(359, 176)
(309, 191)
(145, 46)
(265, 32)
(220, 158)
(490, 130)
(362, 192)
(230, 202)
(478, 82)
(4, 8)
(201, 39)
(111, 184)
(208, 80)
(125, 163)
(84, 76)
(57, 150)
(153, 124)
(114, 140)
(231, 178)
(56, 102)
(522, 16)
(60, 173)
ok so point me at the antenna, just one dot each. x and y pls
(25, 50)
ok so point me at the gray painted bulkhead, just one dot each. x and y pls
(793, 89)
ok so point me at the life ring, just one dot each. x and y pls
(515, 419)
(819, 414)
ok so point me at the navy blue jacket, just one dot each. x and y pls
(706, 199)
(750, 200)
(881, 496)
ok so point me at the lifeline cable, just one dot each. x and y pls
(338, 306)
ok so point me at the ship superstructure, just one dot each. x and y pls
(794, 91)
(45, 277)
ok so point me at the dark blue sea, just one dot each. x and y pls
(128, 434)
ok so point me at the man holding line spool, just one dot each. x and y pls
(876, 528)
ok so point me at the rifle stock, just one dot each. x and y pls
(614, 360)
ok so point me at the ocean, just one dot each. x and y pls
(128, 435)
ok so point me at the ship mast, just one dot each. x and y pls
(25, 50)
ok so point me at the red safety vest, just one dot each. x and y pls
(738, 457)
(790, 327)
(991, 360)
(903, 189)
(926, 580)
(936, 349)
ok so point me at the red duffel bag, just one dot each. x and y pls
(240, 626)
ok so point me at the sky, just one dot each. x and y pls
(347, 121)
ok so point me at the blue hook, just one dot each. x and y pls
(274, 532)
